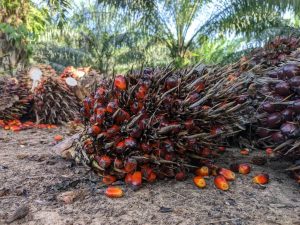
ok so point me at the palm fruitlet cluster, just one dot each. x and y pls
(15, 99)
(161, 123)
(279, 109)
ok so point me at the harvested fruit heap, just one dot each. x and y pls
(279, 109)
(14, 98)
(161, 123)
(54, 102)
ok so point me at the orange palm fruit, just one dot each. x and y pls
(58, 137)
(104, 161)
(244, 151)
(262, 178)
(95, 130)
(203, 171)
(227, 174)
(244, 168)
(221, 183)
(114, 192)
(136, 179)
(152, 177)
(120, 82)
(15, 128)
(130, 165)
(109, 179)
(128, 178)
(199, 181)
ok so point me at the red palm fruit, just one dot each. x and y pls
(104, 161)
(136, 179)
(94, 130)
(58, 137)
(199, 181)
(100, 111)
(189, 124)
(99, 119)
(193, 97)
(269, 151)
(92, 119)
(205, 107)
(128, 178)
(120, 146)
(221, 183)
(216, 131)
(146, 171)
(118, 163)
(200, 87)
(136, 132)
(221, 149)
(122, 116)
(203, 171)
(87, 104)
(112, 107)
(135, 107)
(169, 157)
(159, 152)
(180, 176)
(101, 91)
(261, 178)
(228, 174)
(2, 123)
(168, 145)
(130, 142)
(141, 92)
(205, 152)
(114, 129)
(244, 168)
(245, 151)
(146, 148)
(152, 177)
(171, 82)
(130, 165)
(120, 82)
(109, 179)
(114, 192)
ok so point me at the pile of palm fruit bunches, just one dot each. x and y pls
(160, 124)
(38, 93)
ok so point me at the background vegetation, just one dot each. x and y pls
(116, 35)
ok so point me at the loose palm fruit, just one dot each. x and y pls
(244, 168)
(203, 171)
(227, 174)
(58, 137)
(109, 179)
(120, 82)
(199, 181)
(261, 178)
(221, 183)
(180, 176)
(114, 192)
(152, 177)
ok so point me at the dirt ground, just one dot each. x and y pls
(32, 175)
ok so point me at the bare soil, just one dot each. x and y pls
(32, 175)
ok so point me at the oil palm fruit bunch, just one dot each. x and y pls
(54, 102)
(274, 52)
(279, 109)
(15, 99)
(160, 123)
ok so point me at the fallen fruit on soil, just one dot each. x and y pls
(58, 137)
(261, 178)
(199, 181)
(227, 174)
(244, 168)
(221, 183)
(114, 192)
